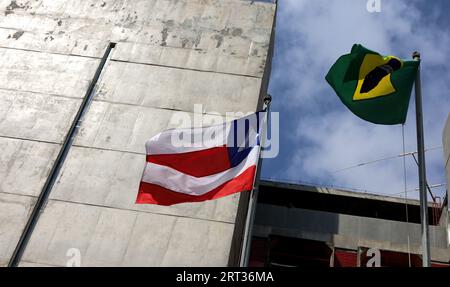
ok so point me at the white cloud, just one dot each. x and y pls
(311, 35)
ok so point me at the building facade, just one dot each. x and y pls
(162, 57)
(304, 226)
(446, 145)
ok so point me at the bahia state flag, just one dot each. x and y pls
(198, 164)
(376, 88)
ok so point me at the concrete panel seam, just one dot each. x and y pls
(109, 149)
(152, 107)
(39, 93)
(30, 140)
(40, 263)
(15, 194)
(50, 53)
(136, 210)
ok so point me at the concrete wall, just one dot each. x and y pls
(170, 54)
(446, 145)
(348, 231)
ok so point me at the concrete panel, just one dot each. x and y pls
(36, 116)
(57, 26)
(400, 232)
(280, 217)
(14, 212)
(317, 225)
(111, 178)
(112, 237)
(199, 243)
(227, 50)
(127, 127)
(170, 55)
(25, 165)
(34, 264)
(446, 137)
(179, 89)
(222, 36)
(45, 73)
(55, 33)
(446, 144)
(179, 242)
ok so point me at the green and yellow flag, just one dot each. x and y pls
(375, 88)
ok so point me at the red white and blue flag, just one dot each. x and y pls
(198, 164)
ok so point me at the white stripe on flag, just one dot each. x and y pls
(180, 182)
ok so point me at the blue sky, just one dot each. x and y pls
(318, 134)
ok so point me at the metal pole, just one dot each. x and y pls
(422, 172)
(248, 229)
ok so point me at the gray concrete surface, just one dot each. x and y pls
(170, 54)
(117, 237)
(14, 211)
(446, 145)
(347, 231)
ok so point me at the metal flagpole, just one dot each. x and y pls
(248, 228)
(422, 172)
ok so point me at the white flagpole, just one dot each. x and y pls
(422, 172)
(248, 229)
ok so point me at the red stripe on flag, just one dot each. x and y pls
(196, 163)
(154, 194)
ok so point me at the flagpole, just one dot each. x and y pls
(422, 172)
(251, 210)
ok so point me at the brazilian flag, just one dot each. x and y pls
(375, 88)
